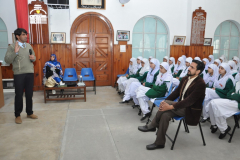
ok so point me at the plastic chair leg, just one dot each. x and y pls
(150, 114)
(173, 143)
(235, 126)
(94, 88)
(202, 134)
(185, 126)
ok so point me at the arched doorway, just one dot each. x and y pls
(92, 46)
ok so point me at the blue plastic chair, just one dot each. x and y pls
(70, 74)
(236, 119)
(87, 75)
(178, 118)
(119, 75)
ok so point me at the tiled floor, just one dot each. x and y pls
(99, 129)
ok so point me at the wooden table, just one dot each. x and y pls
(63, 93)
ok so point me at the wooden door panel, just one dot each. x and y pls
(81, 48)
(92, 47)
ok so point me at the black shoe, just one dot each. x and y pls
(154, 146)
(146, 129)
(119, 92)
(134, 106)
(222, 135)
(203, 120)
(124, 102)
(139, 112)
(145, 116)
(214, 129)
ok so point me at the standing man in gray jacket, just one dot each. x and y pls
(22, 56)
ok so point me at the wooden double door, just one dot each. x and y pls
(91, 40)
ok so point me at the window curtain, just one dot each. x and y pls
(21, 7)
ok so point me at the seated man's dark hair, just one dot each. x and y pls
(19, 32)
(200, 65)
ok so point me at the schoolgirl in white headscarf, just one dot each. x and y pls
(221, 109)
(211, 59)
(139, 59)
(223, 59)
(132, 70)
(172, 65)
(206, 62)
(221, 87)
(179, 67)
(233, 67)
(184, 57)
(159, 89)
(217, 62)
(144, 70)
(211, 76)
(165, 59)
(236, 60)
(150, 78)
(176, 81)
(197, 58)
(149, 59)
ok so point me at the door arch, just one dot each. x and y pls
(92, 46)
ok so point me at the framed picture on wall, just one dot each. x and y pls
(58, 37)
(123, 35)
(91, 4)
(207, 41)
(179, 40)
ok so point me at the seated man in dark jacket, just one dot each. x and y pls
(191, 93)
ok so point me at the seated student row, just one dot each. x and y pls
(153, 81)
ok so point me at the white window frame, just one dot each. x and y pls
(220, 36)
(143, 33)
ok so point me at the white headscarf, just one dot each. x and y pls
(233, 65)
(221, 82)
(173, 60)
(166, 57)
(139, 65)
(207, 63)
(223, 58)
(185, 70)
(161, 78)
(151, 73)
(211, 79)
(184, 57)
(150, 57)
(146, 67)
(197, 58)
(212, 59)
(218, 61)
(238, 64)
(133, 67)
(181, 66)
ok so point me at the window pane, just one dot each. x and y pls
(148, 53)
(160, 53)
(137, 41)
(2, 25)
(224, 52)
(161, 41)
(234, 30)
(149, 40)
(225, 28)
(161, 27)
(136, 52)
(216, 42)
(2, 54)
(224, 43)
(3, 39)
(216, 54)
(232, 54)
(217, 32)
(234, 43)
(138, 26)
(149, 25)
